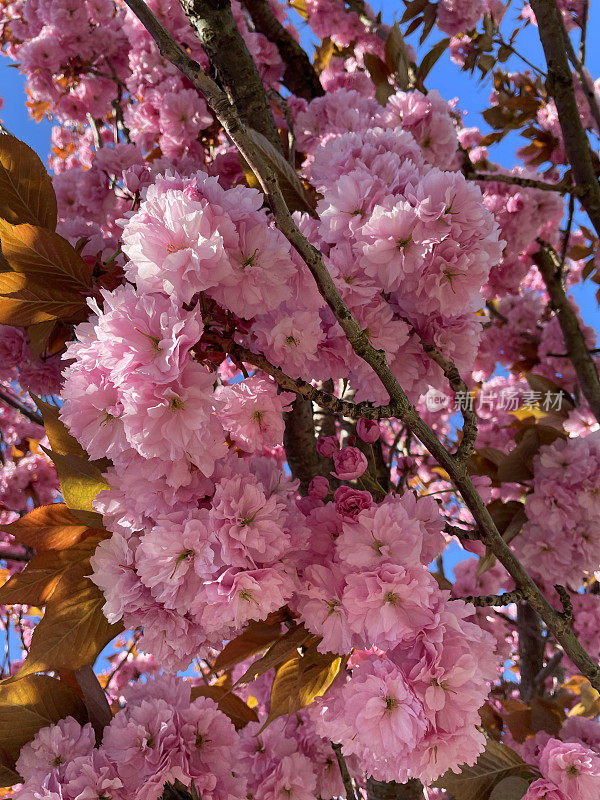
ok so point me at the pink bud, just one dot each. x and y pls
(368, 430)
(349, 463)
(318, 487)
(327, 446)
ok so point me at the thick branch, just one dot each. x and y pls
(576, 346)
(390, 790)
(531, 650)
(234, 67)
(300, 444)
(300, 76)
(359, 341)
(561, 88)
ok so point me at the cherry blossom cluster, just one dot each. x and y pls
(568, 765)
(158, 736)
(562, 535)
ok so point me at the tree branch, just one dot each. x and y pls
(322, 398)
(234, 67)
(13, 402)
(531, 650)
(348, 782)
(549, 266)
(586, 84)
(518, 180)
(561, 88)
(300, 444)
(506, 599)
(300, 76)
(247, 143)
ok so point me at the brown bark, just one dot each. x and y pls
(575, 343)
(531, 651)
(233, 65)
(301, 445)
(560, 86)
(300, 76)
(390, 790)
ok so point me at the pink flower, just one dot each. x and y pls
(252, 412)
(349, 463)
(368, 430)
(293, 779)
(247, 523)
(390, 604)
(350, 502)
(176, 422)
(237, 596)
(53, 747)
(402, 530)
(327, 446)
(573, 767)
(544, 790)
(318, 487)
(320, 604)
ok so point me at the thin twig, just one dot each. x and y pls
(528, 183)
(348, 782)
(506, 599)
(15, 403)
(567, 236)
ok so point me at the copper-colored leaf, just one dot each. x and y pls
(279, 652)
(80, 482)
(511, 788)
(518, 464)
(301, 679)
(316, 674)
(59, 437)
(73, 630)
(397, 56)
(26, 192)
(294, 193)
(44, 255)
(47, 573)
(430, 59)
(50, 527)
(256, 637)
(477, 782)
(39, 336)
(26, 302)
(30, 703)
(230, 704)
(95, 700)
